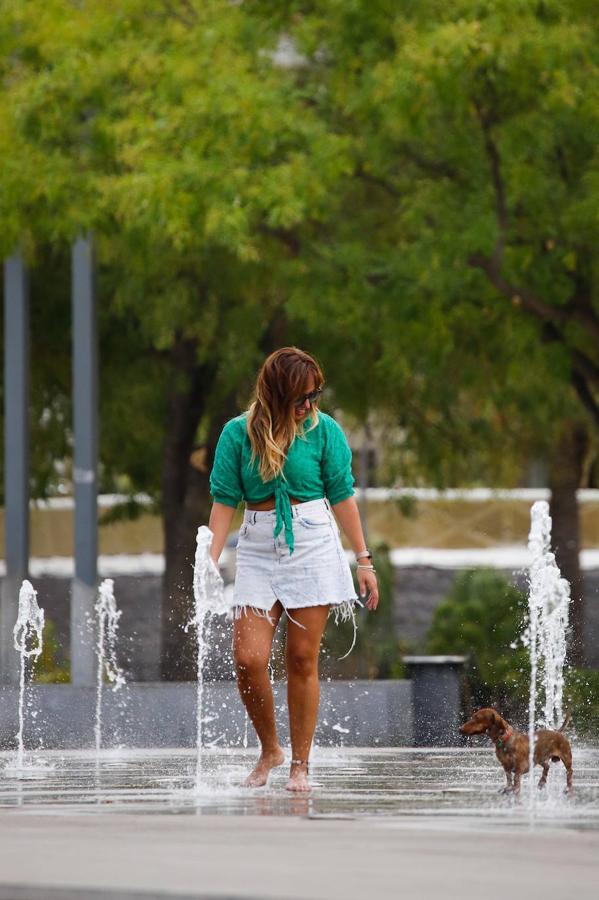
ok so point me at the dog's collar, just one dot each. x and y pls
(504, 739)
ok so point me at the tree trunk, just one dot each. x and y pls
(184, 409)
(186, 500)
(565, 477)
(185, 504)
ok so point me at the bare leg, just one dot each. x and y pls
(303, 688)
(252, 643)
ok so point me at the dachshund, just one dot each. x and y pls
(511, 747)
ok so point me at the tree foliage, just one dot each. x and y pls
(363, 190)
(471, 275)
(483, 617)
(410, 194)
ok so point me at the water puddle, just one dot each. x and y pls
(432, 788)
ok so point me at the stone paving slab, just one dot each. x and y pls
(30, 892)
(378, 823)
(302, 859)
(441, 785)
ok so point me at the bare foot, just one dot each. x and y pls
(298, 778)
(259, 774)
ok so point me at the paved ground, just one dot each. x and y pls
(255, 857)
(379, 823)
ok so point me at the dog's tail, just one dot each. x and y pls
(566, 721)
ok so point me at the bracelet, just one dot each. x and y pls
(364, 554)
(368, 568)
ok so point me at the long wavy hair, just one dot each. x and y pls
(271, 421)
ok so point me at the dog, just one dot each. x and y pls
(511, 747)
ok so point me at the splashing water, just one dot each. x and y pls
(209, 600)
(545, 634)
(28, 641)
(107, 619)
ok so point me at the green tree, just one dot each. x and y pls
(483, 616)
(412, 199)
(469, 241)
(166, 129)
(49, 668)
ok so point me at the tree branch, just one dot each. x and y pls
(529, 300)
(378, 182)
(289, 239)
(586, 396)
(584, 370)
(187, 14)
(581, 363)
(576, 310)
(494, 159)
(585, 367)
(580, 305)
(432, 166)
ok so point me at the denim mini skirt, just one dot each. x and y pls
(316, 573)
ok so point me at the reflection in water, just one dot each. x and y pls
(449, 786)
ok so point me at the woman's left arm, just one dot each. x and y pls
(349, 518)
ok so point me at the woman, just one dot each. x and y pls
(292, 465)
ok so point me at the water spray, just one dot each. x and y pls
(107, 619)
(545, 634)
(28, 641)
(209, 599)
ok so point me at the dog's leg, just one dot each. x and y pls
(509, 786)
(566, 758)
(569, 775)
(543, 778)
(517, 776)
(509, 783)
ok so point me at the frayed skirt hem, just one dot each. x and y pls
(342, 611)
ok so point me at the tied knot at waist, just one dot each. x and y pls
(283, 515)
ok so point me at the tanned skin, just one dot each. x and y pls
(511, 747)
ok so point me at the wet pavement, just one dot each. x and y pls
(135, 825)
(446, 788)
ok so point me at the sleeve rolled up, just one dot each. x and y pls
(336, 466)
(225, 477)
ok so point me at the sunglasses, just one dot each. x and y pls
(312, 397)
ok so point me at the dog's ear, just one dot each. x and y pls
(495, 720)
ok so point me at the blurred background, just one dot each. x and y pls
(407, 191)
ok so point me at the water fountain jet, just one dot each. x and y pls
(209, 600)
(107, 619)
(545, 633)
(28, 641)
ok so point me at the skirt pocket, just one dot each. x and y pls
(314, 521)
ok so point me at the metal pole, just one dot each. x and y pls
(85, 461)
(16, 456)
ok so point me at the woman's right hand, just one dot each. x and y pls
(369, 588)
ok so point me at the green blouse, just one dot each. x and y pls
(317, 465)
